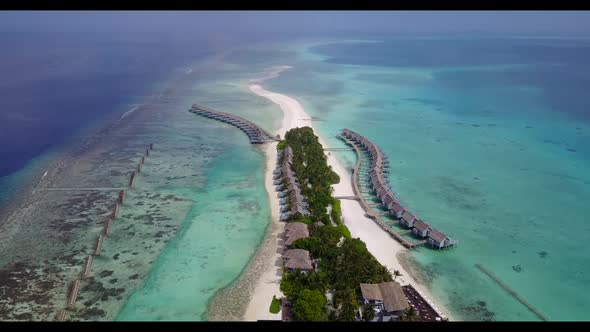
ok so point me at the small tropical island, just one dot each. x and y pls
(328, 275)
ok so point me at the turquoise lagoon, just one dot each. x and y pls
(489, 142)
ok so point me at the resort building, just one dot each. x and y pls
(421, 228)
(387, 298)
(297, 259)
(396, 210)
(388, 200)
(382, 191)
(439, 240)
(408, 220)
(295, 231)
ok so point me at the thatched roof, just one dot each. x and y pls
(390, 293)
(295, 231)
(297, 259)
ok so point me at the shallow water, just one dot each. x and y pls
(481, 151)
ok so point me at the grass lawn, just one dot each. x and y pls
(275, 305)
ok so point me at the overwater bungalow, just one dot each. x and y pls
(388, 200)
(382, 191)
(421, 229)
(438, 240)
(408, 219)
(377, 179)
(374, 172)
(387, 298)
(396, 210)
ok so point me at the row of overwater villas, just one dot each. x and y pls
(379, 166)
(288, 188)
(255, 134)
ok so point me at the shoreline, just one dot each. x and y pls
(385, 249)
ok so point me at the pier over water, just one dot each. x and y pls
(256, 134)
(377, 178)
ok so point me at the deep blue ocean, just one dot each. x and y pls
(54, 85)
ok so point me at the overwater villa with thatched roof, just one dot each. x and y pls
(387, 298)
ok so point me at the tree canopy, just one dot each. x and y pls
(344, 262)
(310, 306)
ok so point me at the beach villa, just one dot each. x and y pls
(295, 231)
(387, 298)
(297, 260)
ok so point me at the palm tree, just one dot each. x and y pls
(396, 274)
(368, 312)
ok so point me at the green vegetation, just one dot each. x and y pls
(368, 312)
(409, 315)
(310, 306)
(344, 262)
(275, 305)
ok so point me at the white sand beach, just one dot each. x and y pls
(379, 243)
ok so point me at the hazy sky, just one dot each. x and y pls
(305, 23)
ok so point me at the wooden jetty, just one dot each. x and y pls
(74, 293)
(107, 227)
(61, 315)
(256, 134)
(98, 246)
(142, 160)
(115, 213)
(87, 267)
(139, 168)
(511, 292)
(378, 182)
(121, 196)
(132, 179)
(151, 146)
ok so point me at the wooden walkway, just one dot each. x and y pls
(370, 213)
(256, 134)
